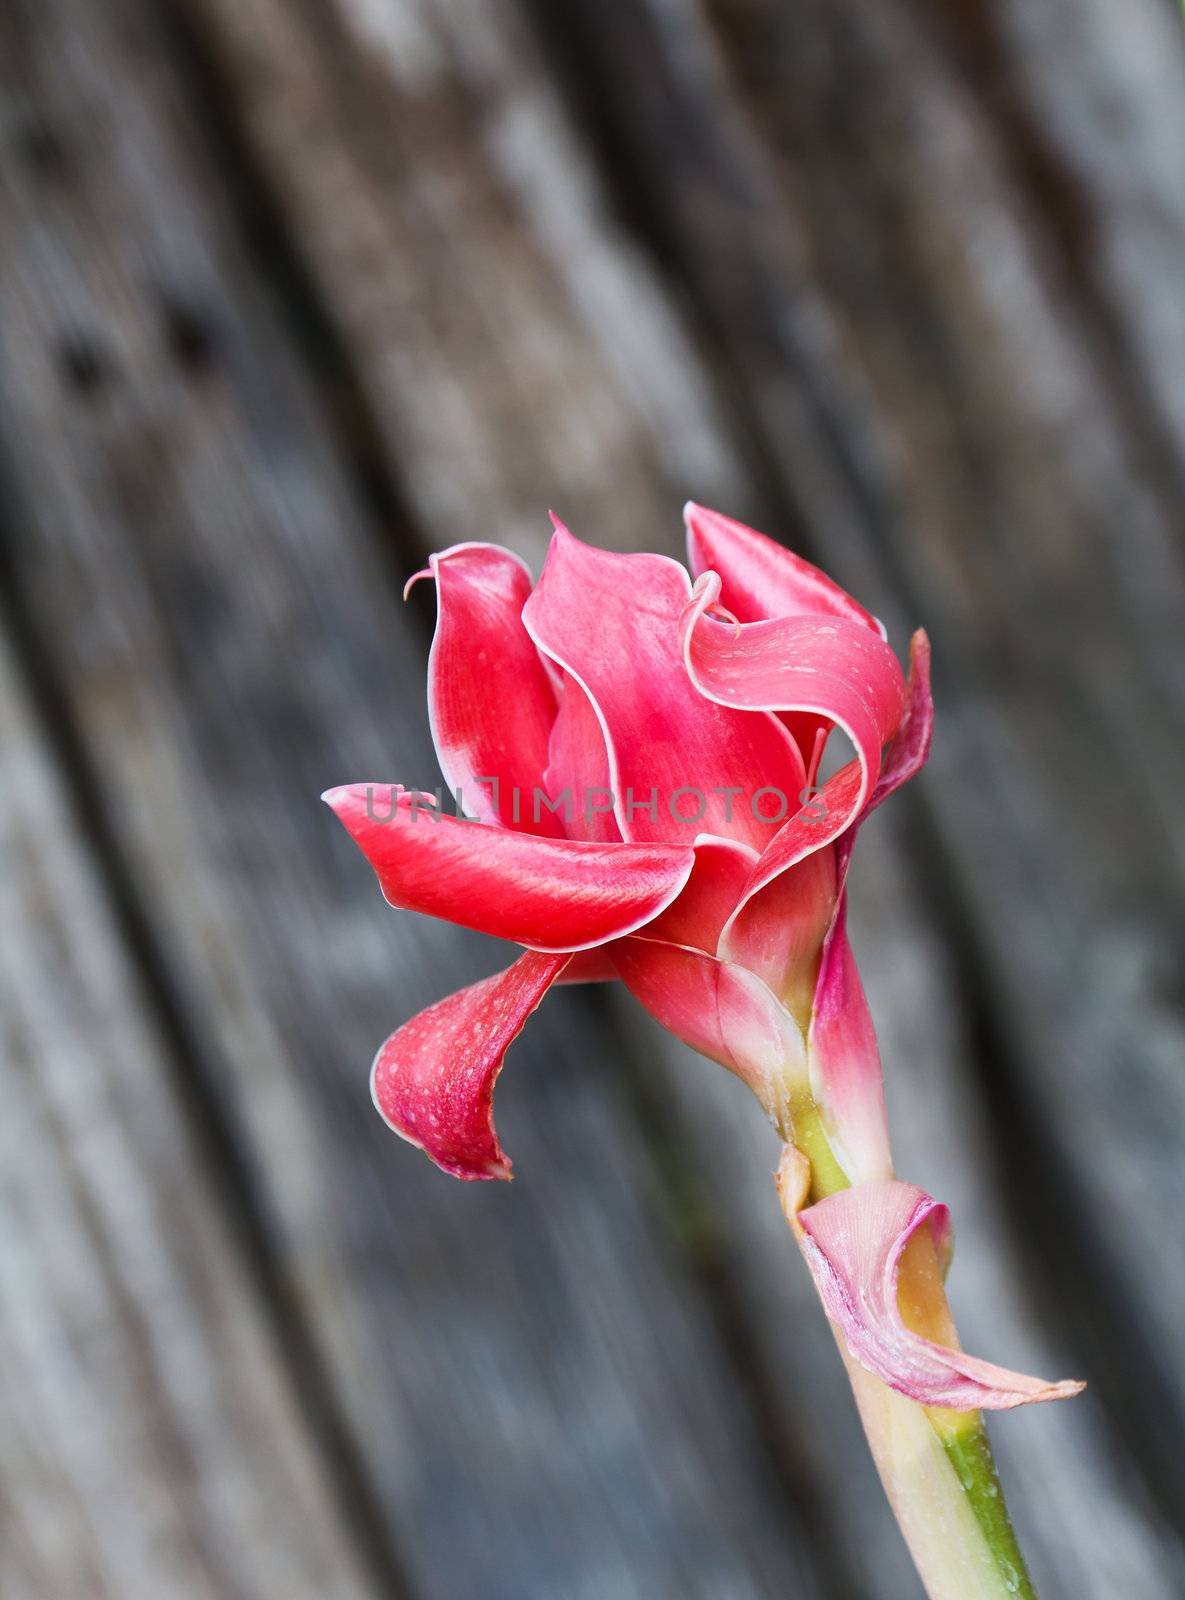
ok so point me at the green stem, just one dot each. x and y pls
(970, 1453)
(936, 1465)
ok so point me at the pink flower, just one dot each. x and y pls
(641, 753)
(643, 774)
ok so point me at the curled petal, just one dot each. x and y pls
(763, 579)
(720, 1010)
(824, 820)
(433, 1080)
(946, 1539)
(825, 665)
(906, 755)
(679, 765)
(830, 666)
(490, 702)
(794, 896)
(853, 1242)
(910, 748)
(551, 894)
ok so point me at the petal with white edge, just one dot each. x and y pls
(853, 1242)
(491, 705)
(577, 778)
(433, 1080)
(551, 894)
(762, 578)
(679, 764)
(826, 665)
(910, 747)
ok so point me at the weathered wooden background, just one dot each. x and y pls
(293, 291)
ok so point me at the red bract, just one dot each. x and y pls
(639, 754)
(641, 773)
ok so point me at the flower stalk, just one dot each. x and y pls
(935, 1463)
(705, 867)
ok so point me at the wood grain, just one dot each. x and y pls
(152, 1444)
(294, 293)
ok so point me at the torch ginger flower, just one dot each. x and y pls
(641, 754)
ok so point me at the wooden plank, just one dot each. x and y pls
(457, 234)
(427, 199)
(435, 411)
(152, 1443)
(1086, 100)
(742, 290)
(532, 1378)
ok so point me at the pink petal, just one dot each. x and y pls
(762, 579)
(910, 749)
(779, 932)
(490, 701)
(797, 886)
(809, 733)
(853, 1242)
(577, 776)
(552, 894)
(819, 824)
(845, 1062)
(590, 966)
(433, 1080)
(612, 622)
(837, 669)
(722, 868)
(720, 1010)
(827, 665)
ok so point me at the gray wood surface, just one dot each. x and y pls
(293, 292)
